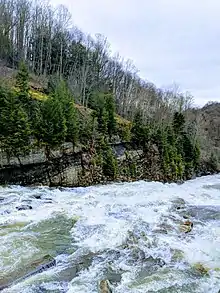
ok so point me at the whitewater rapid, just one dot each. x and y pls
(130, 229)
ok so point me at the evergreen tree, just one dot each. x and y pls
(140, 132)
(22, 84)
(188, 149)
(15, 128)
(178, 122)
(213, 162)
(51, 126)
(98, 104)
(63, 95)
(102, 119)
(109, 163)
(197, 154)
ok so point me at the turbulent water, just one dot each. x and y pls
(126, 233)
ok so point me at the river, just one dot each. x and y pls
(127, 233)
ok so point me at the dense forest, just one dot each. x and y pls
(73, 70)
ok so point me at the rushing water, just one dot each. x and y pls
(128, 233)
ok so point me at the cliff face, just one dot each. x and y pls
(72, 169)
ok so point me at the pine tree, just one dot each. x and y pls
(63, 95)
(51, 127)
(22, 84)
(15, 128)
(109, 163)
(137, 129)
(197, 154)
(98, 104)
(178, 122)
(102, 119)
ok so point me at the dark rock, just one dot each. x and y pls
(113, 276)
(24, 207)
(150, 265)
(36, 267)
(48, 200)
(37, 196)
(4, 212)
(202, 213)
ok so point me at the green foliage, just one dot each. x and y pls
(22, 84)
(123, 128)
(98, 104)
(102, 119)
(179, 157)
(22, 78)
(140, 132)
(178, 122)
(63, 95)
(106, 158)
(51, 125)
(53, 83)
(104, 106)
(132, 168)
(213, 162)
(15, 128)
(85, 129)
(110, 167)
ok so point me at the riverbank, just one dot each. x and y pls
(66, 168)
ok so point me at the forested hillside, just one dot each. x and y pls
(59, 85)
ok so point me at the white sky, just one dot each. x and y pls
(168, 40)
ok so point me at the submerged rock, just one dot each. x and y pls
(37, 196)
(24, 207)
(200, 269)
(163, 228)
(104, 287)
(177, 255)
(179, 203)
(35, 267)
(114, 276)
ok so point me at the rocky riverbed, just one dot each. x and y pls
(129, 237)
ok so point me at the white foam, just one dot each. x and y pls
(107, 213)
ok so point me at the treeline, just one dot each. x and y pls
(44, 37)
(27, 123)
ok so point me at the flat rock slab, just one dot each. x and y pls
(35, 267)
(202, 213)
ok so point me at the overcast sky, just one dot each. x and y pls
(168, 40)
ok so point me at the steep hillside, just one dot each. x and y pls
(210, 121)
(60, 86)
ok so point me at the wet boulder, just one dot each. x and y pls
(186, 227)
(24, 207)
(163, 228)
(114, 276)
(204, 212)
(178, 204)
(35, 267)
(104, 286)
(200, 269)
(177, 255)
(37, 196)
